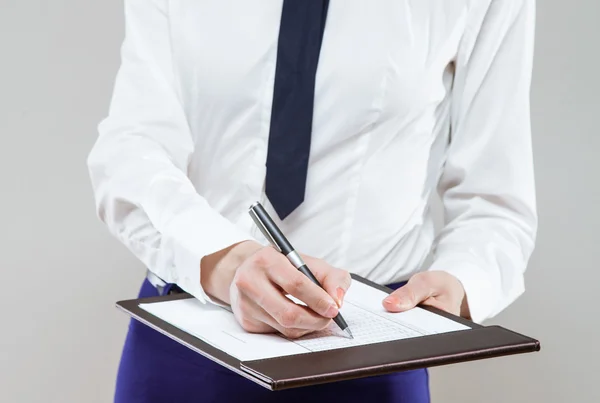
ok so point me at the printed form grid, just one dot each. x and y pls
(367, 328)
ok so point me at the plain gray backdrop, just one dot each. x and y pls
(60, 335)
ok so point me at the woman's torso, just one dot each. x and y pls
(380, 125)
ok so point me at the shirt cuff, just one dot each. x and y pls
(193, 234)
(479, 288)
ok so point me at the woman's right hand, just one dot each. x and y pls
(260, 283)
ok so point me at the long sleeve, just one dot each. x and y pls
(139, 162)
(487, 186)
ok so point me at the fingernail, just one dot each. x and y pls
(332, 311)
(391, 301)
(340, 296)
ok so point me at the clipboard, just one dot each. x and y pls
(292, 371)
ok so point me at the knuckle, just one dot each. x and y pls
(260, 258)
(242, 281)
(406, 295)
(410, 296)
(419, 280)
(295, 284)
(323, 305)
(289, 317)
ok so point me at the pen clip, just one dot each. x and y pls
(263, 229)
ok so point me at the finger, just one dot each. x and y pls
(248, 315)
(336, 282)
(284, 311)
(255, 282)
(290, 332)
(265, 292)
(297, 316)
(300, 286)
(417, 290)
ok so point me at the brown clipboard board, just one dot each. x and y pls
(477, 343)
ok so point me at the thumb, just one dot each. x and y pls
(408, 296)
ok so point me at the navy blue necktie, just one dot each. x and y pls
(300, 36)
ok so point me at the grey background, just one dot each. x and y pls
(60, 337)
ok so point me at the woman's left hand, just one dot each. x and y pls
(434, 288)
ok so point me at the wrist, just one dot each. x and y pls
(217, 270)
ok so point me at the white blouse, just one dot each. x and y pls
(412, 97)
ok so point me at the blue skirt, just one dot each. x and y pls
(156, 369)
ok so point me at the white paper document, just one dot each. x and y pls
(362, 309)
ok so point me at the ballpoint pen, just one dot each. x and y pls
(269, 229)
